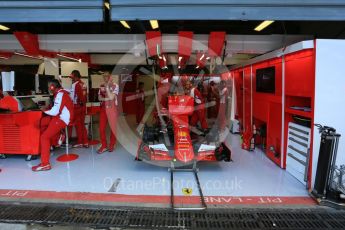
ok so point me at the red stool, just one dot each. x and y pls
(67, 157)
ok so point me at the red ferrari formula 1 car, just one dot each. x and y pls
(176, 142)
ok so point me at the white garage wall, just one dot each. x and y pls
(330, 93)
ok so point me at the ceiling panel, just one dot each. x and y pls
(51, 11)
(327, 10)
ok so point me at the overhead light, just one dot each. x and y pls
(71, 58)
(197, 67)
(208, 58)
(4, 28)
(29, 56)
(202, 56)
(263, 25)
(107, 5)
(180, 58)
(154, 24)
(125, 24)
(179, 67)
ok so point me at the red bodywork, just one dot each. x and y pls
(19, 131)
(180, 107)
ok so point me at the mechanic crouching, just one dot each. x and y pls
(199, 114)
(59, 116)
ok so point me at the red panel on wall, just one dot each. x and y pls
(267, 107)
(260, 109)
(274, 130)
(299, 74)
(261, 100)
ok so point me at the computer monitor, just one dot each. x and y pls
(28, 104)
(265, 80)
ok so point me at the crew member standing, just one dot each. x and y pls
(79, 97)
(199, 105)
(140, 102)
(213, 100)
(223, 93)
(59, 116)
(107, 95)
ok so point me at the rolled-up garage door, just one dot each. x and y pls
(326, 10)
(51, 11)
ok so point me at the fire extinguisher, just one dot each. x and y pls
(248, 141)
(252, 140)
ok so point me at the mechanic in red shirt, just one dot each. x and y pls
(199, 104)
(107, 95)
(140, 102)
(59, 116)
(79, 98)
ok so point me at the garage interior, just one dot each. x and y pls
(258, 174)
(95, 173)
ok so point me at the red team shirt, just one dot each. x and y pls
(62, 107)
(78, 93)
(114, 88)
(195, 93)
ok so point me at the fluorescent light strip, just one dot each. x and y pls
(263, 25)
(107, 5)
(202, 56)
(154, 24)
(180, 58)
(29, 56)
(4, 28)
(71, 58)
(125, 24)
(4, 58)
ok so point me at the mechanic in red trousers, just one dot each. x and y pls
(140, 103)
(107, 95)
(59, 116)
(223, 93)
(199, 104)
(79, 98)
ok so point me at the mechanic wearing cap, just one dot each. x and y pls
(59, 116)
(199, 104)
(79, 98)
(107, 95)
